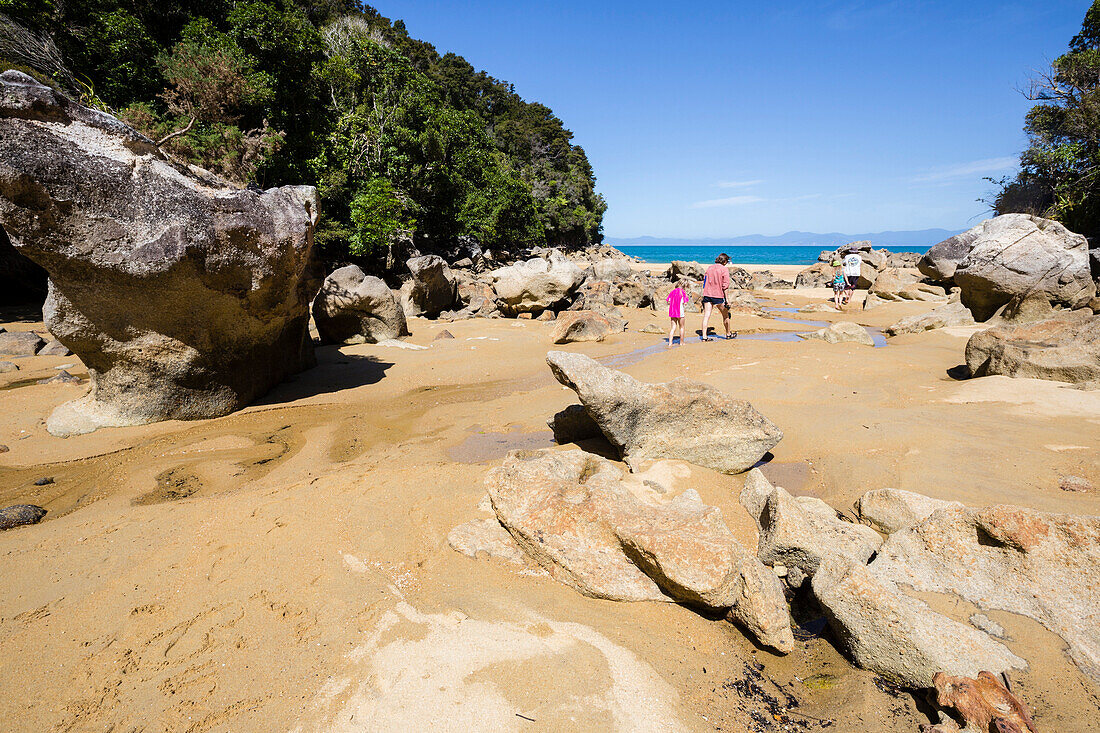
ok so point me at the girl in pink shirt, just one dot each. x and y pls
(676, 300)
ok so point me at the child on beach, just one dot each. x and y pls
(676, 300)
(840, 283)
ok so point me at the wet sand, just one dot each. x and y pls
(286, 567)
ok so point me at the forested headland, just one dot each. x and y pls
(405, 145)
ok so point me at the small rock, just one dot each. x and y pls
(7, 366)
(525, 316)
(63, 377)
(573, 326)
(652, 328)
(54, 348)
(19, 515)
(780, 570)
(1075, 483)
(988, 625)
(546, 315)
(20, 343)
(843, 332)
(4, 449)
(44, 481)
(443, 335)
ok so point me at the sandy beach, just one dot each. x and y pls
(286, 567)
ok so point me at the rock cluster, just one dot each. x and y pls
(185, 296)
(578, 517)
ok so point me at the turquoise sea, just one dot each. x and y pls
(740, 254)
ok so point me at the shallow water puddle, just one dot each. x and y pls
(485, 446)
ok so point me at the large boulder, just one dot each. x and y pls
(353, 307)
(1065, 348)
(899, 637)
(842, 333)
(1041, 565)
(800, 531)
(891, 283)
(682, 419)
(948, 315)
(634, 294)
(185, 296)
(578, 517)
(1015, 254)
(740, 278)
(940, 261)
(432, 288)
(537, 284)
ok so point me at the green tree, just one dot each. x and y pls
(1060, 170)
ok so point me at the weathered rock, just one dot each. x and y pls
(876, 258)
(353, 307)
(19, 515)
(891, 284)
(1016, 254)
(984, 704)
(899, 637)
(634, 295)
(868, 275)
(816, 276)
(818, 308)
(574, 326)
(679, 268)
(54, 348)
(891, 510)
(765, 279)
(902, 259)
(1063, 349)
(62, 377)
(573, 424)
(1025, 308)
(940, 261)
(798, 532)
(842, 332)
(20, 343)
(574, 514)
(873, 301)
(1078, 484)
(186, 297)
(463, 264)
(536, 284)
(432, 289)
(546, 316)
(444, 335)
(740, 278)
(682, 419)
(948, 315)
(485, 537)
(611, 270)
(1044, 566)
(8, 366)
(1094, 305)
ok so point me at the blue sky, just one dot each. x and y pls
(709, 119)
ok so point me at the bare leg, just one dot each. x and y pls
(707, 306)
(671, 331)
(726, 319)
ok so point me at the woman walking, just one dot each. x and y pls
(716, 283)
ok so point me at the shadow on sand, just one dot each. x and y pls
(334, 372)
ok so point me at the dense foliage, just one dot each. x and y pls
(399, 139)
(1060, 170)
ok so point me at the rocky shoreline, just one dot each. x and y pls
(214, 457)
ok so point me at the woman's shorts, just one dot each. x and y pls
(852, 280)
(714, 300)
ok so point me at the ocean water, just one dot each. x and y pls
(740, 254)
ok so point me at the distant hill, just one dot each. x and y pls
(918, 238)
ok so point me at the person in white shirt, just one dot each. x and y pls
(852, 265)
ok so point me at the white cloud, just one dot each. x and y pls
(731, 201)
(966, 170)
(738, 184)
